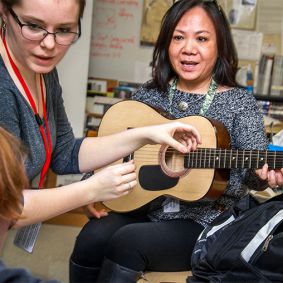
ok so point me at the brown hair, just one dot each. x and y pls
(10, 3)
(13, 178)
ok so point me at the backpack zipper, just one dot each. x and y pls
(266, 243)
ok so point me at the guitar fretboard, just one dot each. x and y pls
(232, 158)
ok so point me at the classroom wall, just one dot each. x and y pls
(110, 48)
(116, 52)
(73, 74)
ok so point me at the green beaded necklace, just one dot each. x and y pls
(208, 98)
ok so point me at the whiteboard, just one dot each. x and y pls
(115, 43)
(73, 74)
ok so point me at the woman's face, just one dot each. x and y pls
(52, 15)
(193, 49)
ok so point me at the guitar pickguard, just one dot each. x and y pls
(152, 178)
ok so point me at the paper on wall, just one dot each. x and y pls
(248, 44)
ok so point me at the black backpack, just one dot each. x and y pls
(242, 245)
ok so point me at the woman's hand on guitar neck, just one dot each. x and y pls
(273, 177)
(181, 136)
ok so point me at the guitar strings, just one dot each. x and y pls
(201, 157)
(208, 164)
(213, 151)
(193, 157)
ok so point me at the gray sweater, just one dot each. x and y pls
(238, 111)
(17, 117)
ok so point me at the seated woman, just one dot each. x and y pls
(194, 66)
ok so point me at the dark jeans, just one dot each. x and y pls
(131, 240)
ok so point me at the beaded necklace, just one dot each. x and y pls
(208, 97)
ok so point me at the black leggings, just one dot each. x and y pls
(131, 240)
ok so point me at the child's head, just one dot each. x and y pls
(13, 178)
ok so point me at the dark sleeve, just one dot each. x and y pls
(19, 275)
(9, 116)
(65, 154)
(249, 133)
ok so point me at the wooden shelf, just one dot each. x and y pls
(274, 129)
(271, 98)
(94, 115)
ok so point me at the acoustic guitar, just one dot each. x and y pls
(161, 170)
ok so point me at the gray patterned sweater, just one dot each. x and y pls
(17, 116)
(238, 111)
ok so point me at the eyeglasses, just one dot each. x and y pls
(36, 33)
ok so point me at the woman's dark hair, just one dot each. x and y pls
(10, 3)
(226, 65)
(13, 178)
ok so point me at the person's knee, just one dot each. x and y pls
(126, 248)
(89, 246)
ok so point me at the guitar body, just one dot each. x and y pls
(152, 160)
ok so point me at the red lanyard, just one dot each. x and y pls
(46, 137)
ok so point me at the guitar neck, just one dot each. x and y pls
(232, 158)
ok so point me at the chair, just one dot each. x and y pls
(165, 277)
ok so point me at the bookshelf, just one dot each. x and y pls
(269, 73)
(270, 98)
(101, 95)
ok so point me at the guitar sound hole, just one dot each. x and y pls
(152, 178)
(172, 162)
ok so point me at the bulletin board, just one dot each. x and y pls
(115, 51)
(153, 12)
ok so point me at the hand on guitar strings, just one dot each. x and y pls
(273, 177)
(181, 136)
(113, 181)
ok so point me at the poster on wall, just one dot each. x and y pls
(153, 11)
(248, 44)
(240, 13)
